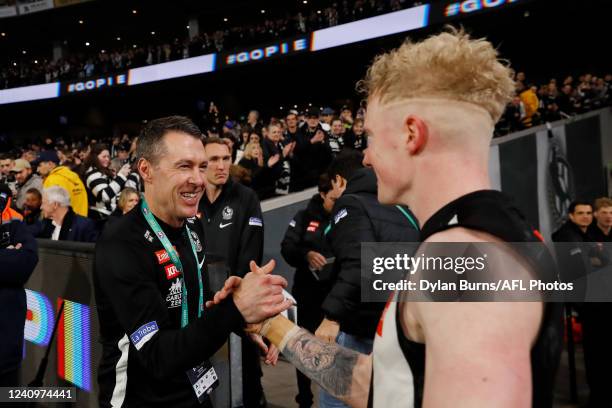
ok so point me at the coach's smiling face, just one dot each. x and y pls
(177, 179)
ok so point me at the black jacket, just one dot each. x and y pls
(359, 217)
(235, 224)
(74, 228)
(138, 288)
(310, 160)
(16, 267)
(576, 252)
(306, 233)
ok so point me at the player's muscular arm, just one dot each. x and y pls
(342, 372)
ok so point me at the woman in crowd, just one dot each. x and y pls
(357, 138)
(253, 163)
(240, 148)
(128, 199)
(102, 188)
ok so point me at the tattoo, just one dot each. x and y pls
(329, 364)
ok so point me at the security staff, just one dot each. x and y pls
(231, 216)
(151, 283)
(305, 248)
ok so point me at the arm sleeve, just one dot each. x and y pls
(125, 278)
(104, 188)
(292, 249)
(18, 264)
(345, 239)
(251, 237)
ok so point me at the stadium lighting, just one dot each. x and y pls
(3, 34)
(134, 11)
(133, 45)
(263, 11)
(87, 43)
(188, 27)
(294, 106)
(152, 32)
(14, 64)
(118, 38)
(305, 2)
(80, 21)
(36, 61)
(24, 52)
(225, 19)
(103, 51)
(318, 11)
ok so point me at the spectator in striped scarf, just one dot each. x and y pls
(102, 187)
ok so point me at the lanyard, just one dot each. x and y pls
(176, 260)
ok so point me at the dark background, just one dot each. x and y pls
(545, 38)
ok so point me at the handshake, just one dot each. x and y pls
(258, 296)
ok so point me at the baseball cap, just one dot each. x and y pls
(47, 156)
(229, 124)
(21, 164)
(327, 111)
(311, 113)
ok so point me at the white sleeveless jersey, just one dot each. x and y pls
(393, 380)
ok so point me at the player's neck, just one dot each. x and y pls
(443, 185)
(604, 229)
(213, 191)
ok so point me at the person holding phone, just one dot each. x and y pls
(305, 248)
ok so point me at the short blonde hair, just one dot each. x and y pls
(450, 65)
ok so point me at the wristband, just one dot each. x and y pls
(279, 330)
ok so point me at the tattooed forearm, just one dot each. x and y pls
(329, 364)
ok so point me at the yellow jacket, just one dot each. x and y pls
(64, 177)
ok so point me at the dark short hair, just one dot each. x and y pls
(150, 142)
(575, 203)
(34, 191)
(324, 183)
(346, 164)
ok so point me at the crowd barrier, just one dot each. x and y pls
(542, 168)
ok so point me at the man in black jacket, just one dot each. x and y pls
(312, 154)
(61, 223)
(18, 257)
(149, 279)
(578, 259)
(231, 214)
(357, 217)
(305, 248)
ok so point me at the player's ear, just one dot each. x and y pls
(417, 134)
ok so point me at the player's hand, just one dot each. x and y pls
(328, 330)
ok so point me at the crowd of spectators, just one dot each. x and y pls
(535, 104)
(276, 157)
(83, 65)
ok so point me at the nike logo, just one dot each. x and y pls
(224, 225)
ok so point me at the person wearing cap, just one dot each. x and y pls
(25, 181)
(312, 153)
(327, 114)
(55, 175)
